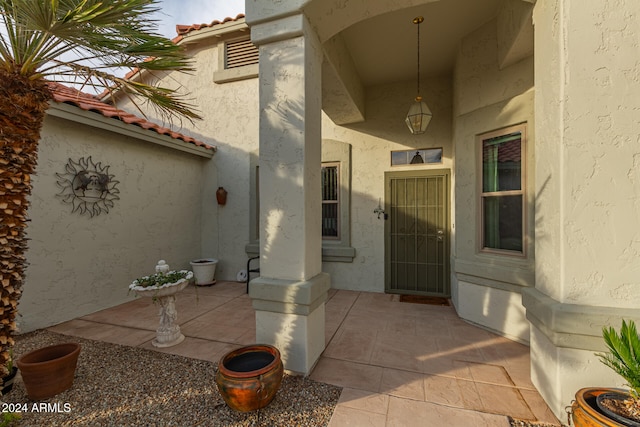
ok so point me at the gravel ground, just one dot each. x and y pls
(524, 423)
(126, 386)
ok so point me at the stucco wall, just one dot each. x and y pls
(80, 264)
(489, 98)
(587, 95)
(230, 122)
(592, 122)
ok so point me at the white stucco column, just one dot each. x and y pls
(587, 190)
(290, 294)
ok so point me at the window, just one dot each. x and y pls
(502, 195)
(330, 201)
(419, 156)
(336, 203)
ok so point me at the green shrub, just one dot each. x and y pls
(624, 355)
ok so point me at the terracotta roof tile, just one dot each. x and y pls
(87, 102)
(185, 29)
(65, 94)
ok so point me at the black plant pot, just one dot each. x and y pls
(609, 413)
(7, 382)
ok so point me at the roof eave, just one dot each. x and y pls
(238, 25)
(93, 119)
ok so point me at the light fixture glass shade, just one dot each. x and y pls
(418, 117)
(417, 159)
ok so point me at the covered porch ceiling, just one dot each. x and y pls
(382, 49)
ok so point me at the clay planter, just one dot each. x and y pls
(585, 411)
(221, 196)
(249, 377)
(49, 370)
(7, 382)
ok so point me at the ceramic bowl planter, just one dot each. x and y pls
(585, 411)
(613, 407)
(249, 377)
(49, 370)
(204, 271)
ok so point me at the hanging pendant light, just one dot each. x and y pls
(419, 114)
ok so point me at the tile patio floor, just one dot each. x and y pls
(400, 364)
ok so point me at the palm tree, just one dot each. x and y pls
(82, 41)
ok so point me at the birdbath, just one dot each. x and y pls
(163, 287)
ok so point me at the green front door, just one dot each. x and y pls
(417, 232)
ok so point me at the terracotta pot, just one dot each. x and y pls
(7, 382)
(49, 370)
(249, 377)
(221, 196)
(585, 412)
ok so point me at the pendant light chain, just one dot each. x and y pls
(418, 20)
(418, 84)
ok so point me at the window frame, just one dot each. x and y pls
(333, 250)
(336, 202)
(482, 195)
(340, 250)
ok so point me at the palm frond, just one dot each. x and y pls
(89, 38)
(166, 102)
(624, 354)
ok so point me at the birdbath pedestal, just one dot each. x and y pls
(168, 333)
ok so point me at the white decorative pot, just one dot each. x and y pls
(204, 271)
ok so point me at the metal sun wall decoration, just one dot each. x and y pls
(87, 186)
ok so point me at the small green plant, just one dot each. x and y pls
(10, 360)
(624, 358)
(9, 419)
(159, 279)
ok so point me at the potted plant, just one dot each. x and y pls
(609, 406)
(163, 287)
(161, 284)
(7, 380)
(204, 270)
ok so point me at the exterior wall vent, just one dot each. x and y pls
(240, 53)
